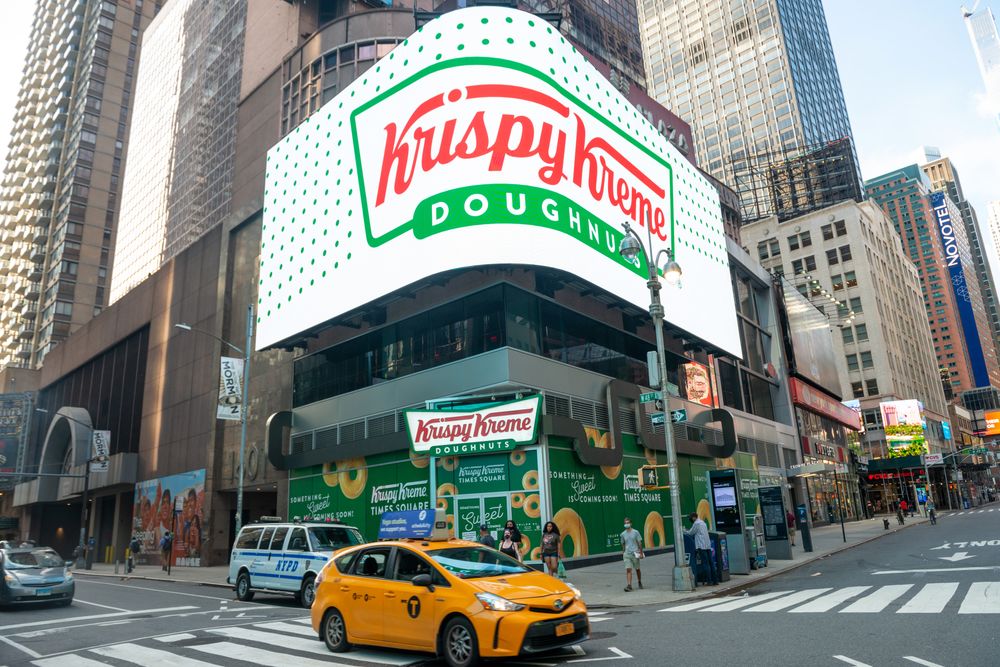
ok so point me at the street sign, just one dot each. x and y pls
(657, 418)
(678, 416)
(649, 396)
(970, 451)
(933, 459)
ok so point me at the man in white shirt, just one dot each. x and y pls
(702, 547)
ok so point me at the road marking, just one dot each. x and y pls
(306, 620)
(68, 660)
(789, 600)
(878, 600)
(155, 590)
(691, 606)
(618, 655)
(148, 657)
(931, 599)
(957, 556)
(851, 661)
(306, 645)
(920, 661)
(983, 598)
(828, 602)
(296, 629)
(259, 656)
(174, 638)
(932, 569)
(96, 604)
(23, 649)
(741, 602)
(92, 617)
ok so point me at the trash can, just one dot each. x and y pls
(720, 551)
(689, 553)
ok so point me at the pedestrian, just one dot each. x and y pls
(551, 547)
(931, 513)
(903, 506)
(166, 542)
(485, 538)
(631, 554)
(511, 542)
(790, 521)
(899, 514)
(829, 512)
(702, 548)
(134, 547)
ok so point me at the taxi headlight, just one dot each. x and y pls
(497, 603)
(576, 591)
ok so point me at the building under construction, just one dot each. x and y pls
(789, 183)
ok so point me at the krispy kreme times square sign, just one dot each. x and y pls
(485, 138)
(498, 427)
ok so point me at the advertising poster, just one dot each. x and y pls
(992, 419)
(698, 383)
(155, 512)
(905, 427)
(8, 453)
(812, 342)
(590, 503)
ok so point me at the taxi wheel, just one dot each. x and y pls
(334, 631)
(459, 643)
(307, 595)
(243, 591)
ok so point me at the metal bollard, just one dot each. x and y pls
(116, 566)
(885, 524)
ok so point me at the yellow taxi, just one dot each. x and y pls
(457, 599)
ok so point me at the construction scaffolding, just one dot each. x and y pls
(791, 182)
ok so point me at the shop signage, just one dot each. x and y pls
(406, 524)
(499, 427)
(992, 419)
(933, 459)
(483, 139)
(816, 401)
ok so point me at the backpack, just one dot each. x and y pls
(135, 546)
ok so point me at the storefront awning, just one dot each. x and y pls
(812, 469)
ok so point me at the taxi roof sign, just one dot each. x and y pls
(420, 524)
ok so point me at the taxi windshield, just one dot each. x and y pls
(331, 538)
(473, 562)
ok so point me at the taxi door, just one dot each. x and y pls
(410, 611)
(364, 594)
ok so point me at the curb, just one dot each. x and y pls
(213, 584)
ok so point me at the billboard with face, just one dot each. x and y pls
(174, 503)
(485, 138)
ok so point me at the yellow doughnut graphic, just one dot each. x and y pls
(518, 457)
(612, 472)
(653, 533)
(447, 489)
(353, 477)
(571, 526)
(536, 554)
(530, 480)
(330, 474)
(704, 509)
(448, 462)
(517, 500)
(419, 460)
(533, 506)
(450, 518)
(442, 504)
(650, 456)
(525, 545)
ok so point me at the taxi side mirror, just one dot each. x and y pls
(424, 580)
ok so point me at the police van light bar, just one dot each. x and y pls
(271, 519)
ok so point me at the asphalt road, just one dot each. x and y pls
(928, 595)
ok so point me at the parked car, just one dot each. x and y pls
(33, 575)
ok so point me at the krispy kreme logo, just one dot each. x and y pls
(496, 428)
(511, 148)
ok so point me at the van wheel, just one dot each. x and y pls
(307, 595)
(459, 643)
(243, 592)
(334, 632)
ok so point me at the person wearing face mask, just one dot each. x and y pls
(631, 554)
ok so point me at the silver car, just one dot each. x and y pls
(34, 575)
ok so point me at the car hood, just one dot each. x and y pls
(38, 575)
(521, 586)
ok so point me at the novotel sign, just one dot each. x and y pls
(485, 138)
(497, 427)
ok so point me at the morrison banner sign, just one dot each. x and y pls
(485, 138)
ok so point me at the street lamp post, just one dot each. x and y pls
(244, 409)
(631, 247)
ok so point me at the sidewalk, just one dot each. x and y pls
(602, 584)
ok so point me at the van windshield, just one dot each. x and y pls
(331, 538)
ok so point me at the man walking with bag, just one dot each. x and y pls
(134, 547)
(702, 547)
(166, 542)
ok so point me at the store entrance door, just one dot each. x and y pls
(472, 511)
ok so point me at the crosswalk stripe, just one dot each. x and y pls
(828, 602)
(289, 628)
(700, 604)
(931, 599)
(788, 600)
(307, 645)
(739, 603)
(148, 657)
(983, 598)
(174, 638)
(68, 660)
(304, 621)
(259, 656)
(878, 600)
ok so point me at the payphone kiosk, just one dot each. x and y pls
(727, 511)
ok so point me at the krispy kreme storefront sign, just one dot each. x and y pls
(498, 427)
(483, 139)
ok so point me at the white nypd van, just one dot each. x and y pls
(279, 557)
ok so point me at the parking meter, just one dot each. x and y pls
(802, 524)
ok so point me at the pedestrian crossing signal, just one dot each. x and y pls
(649, 478)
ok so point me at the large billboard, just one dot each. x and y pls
(959, 285)
(485, 138)
(176, 504)
(812, 344)
(992, 419)
(905, 427)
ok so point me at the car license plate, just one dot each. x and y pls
(43, 591)
(564, 629)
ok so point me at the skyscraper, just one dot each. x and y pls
(758, 81)
(985, 38)
(993, 215)
(927, 224)
(59, 202)
(178, 178)
(944, 177)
